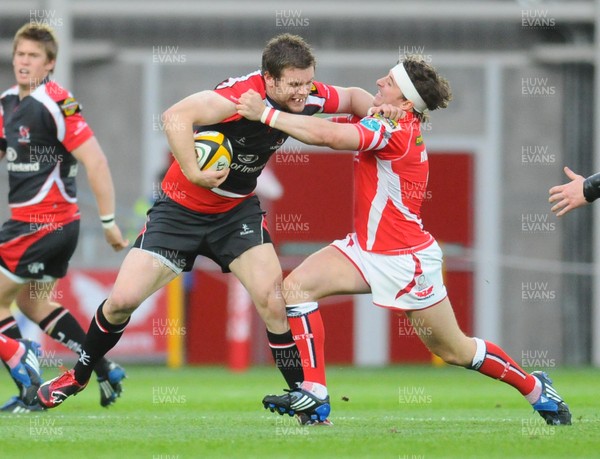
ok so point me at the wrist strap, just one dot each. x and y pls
(108, 221)
(591, 188)
(269, 116)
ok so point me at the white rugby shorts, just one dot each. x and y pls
(407, 280)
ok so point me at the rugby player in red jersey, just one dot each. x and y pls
(216, 213)
(43, 136)
(390, 254)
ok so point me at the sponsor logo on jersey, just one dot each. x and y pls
(247, 158)
(11, 154)
(371, 124)
(419, 140)
(69, 106)
(246, 169)
(24, 136)
(81, 125)
(23, 167)
(278, 144)
(391, 123)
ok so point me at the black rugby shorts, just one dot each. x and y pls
(177, 235)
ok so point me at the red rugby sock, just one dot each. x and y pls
(309, 334)
(492, 361)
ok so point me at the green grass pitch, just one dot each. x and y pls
(401, 412)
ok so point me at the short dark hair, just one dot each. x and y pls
(286, 51)
(42, 33)
(433, 88)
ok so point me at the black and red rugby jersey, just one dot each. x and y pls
(253, 144)
(38, 133)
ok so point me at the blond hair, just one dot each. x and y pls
(40, 33)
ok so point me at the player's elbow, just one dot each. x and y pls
(168, 114)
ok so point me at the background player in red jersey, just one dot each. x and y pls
(43, 135)
(216, 214)
(390, 254)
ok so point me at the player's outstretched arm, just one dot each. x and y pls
(355, 101)
(307, 129)
(92, 157)
(202, 108)
(571, 195)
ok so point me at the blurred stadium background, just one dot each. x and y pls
(525, 104)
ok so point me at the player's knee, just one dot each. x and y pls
(121, 303)
(271, 306)
(294, 290)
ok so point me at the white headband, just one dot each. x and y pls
(408, 88)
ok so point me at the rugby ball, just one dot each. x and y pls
(213, 150)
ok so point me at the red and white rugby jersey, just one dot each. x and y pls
(253, 144)
(391, 172)
(39, 132)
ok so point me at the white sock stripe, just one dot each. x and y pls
(104, 330)
(496, 359)
(50, 326)
(519, 373)
(480, 352)
(508, 367)
(281, 346)
(301, 309)
(309, 342)
(7, 326)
